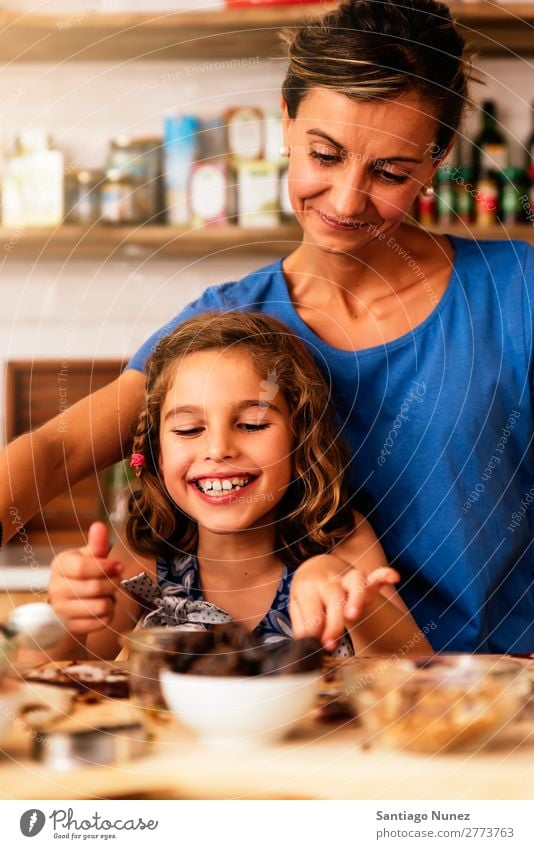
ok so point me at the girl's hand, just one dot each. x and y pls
(83, 584)
(327, 594)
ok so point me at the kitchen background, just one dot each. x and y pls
(61, 307)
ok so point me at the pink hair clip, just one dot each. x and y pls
(137, 462)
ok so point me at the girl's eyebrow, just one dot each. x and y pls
(316, 132)
(259, 402)
(243, 405)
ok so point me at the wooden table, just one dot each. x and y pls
(320, 761)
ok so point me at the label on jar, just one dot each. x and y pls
(116, 203)
(245, 133)
(258, 194)
(208, 192)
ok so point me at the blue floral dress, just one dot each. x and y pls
(275, 625)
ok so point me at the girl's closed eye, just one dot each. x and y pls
(252, 427)
(188, 431)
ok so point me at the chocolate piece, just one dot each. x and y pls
(224, 661)
(293, 657)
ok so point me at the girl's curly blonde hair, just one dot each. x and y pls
(314, 513)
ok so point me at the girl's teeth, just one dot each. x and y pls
(226, 485)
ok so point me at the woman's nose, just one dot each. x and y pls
(349, 196)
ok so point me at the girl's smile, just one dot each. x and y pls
(225, 441)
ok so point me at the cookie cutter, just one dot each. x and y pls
(62, 751)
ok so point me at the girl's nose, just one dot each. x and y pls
(220, 446)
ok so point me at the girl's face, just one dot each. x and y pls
(225, 441)
(356, 167)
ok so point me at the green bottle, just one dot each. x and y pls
(490, 148)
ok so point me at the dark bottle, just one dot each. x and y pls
(512, 195)
(490, 148)
(465, 193)
(445, 196)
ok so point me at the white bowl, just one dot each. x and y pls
(239, 711)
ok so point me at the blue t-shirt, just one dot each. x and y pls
(439, 423)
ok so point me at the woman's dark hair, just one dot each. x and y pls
(314, 512)
(380, 49)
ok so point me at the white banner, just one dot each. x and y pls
(268, 824)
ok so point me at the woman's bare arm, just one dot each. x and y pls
(89, 436)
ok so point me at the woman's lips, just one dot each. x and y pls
(347, 225)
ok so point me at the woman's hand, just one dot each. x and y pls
(328, 594)
(83, 584)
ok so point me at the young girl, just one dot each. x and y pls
(242, 504)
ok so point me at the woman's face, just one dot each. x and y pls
(356, 167)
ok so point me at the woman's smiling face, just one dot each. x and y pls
(225, 441)
(355, 166)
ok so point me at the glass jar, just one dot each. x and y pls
(82, 196)
(117, 198)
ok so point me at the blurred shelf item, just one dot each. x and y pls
(497, 29)
(120, 243)
(237, 33)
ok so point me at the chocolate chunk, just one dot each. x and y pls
(293, 657)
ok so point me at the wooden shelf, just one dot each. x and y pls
(494, 29)
(168, 35)
(497, 29)
(72, 241)
(120, 243)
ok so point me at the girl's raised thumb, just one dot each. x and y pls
(98, 540)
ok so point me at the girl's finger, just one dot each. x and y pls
(353, 582)
(84, 609)
(91, 588)
(306, 614)
(384, 575)
(88, 626)
(98, 540)
(334, 601)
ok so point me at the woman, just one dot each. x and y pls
(425, 339)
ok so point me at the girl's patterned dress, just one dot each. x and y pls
(182, 573)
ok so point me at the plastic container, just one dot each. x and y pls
(437, 704)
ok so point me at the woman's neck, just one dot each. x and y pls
(237, 559)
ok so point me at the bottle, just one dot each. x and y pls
(179, 154)
(445, 196)
(465, 193)
(486, 199)
(513, 187)
(33, 191)
(490, 148)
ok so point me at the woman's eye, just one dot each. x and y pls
(252, 428)
(389, 176)
(325, 159)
